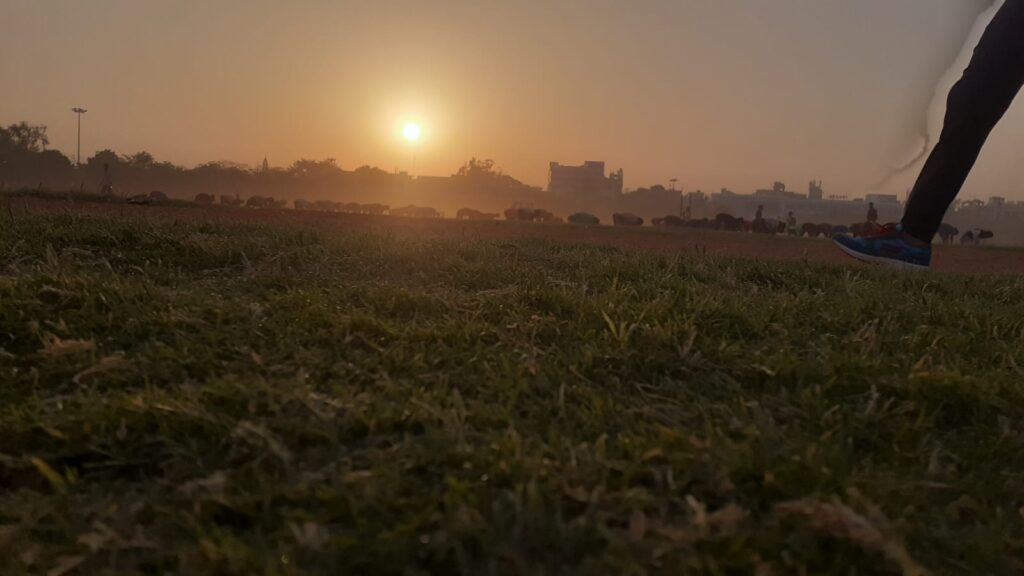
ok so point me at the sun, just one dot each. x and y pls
(412, 132)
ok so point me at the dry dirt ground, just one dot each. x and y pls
(957, 259)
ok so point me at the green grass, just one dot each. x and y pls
(209, 399)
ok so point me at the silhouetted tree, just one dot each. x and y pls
(25, 137)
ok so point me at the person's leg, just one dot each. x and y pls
(975, 105)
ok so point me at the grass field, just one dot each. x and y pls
(205, 398)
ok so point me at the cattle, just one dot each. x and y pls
(768, 226)
(626, 219)
(416, 212)
(226, 200)
(729, 222)
(669, 221)
(584, 218)
(471, 214)
(520, 214)
(204, 199)
(375, 209)
(327, 206)
(948, 233)
(143, 199)
(261, 202)
(301, 204)
(975, 236)
(542, 215)
(528, 215)
(815, 230)
(157, 196)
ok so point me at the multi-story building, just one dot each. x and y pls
(587, 180)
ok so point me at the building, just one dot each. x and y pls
(586, 180)
(777, 202)
(815, 191)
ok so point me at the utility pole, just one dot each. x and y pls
(78, 155)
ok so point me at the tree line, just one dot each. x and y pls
(26, 162)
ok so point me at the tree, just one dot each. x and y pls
(24, 137)
(474, 167)
(102, 157)
(141, 160)
(315, 168)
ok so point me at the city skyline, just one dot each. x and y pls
(715, 95)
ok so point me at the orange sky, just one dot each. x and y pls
(734, 93)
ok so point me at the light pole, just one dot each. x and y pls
(78, 155)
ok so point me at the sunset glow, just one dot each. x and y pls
(412, 132)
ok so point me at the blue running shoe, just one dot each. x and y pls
(889, 247)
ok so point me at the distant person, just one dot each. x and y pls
(107, 181)
(975, 105)
(791, 224)
(872, 213)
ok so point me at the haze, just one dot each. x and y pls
(733, 93)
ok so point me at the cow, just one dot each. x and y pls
(158, 196)
(584, 218)
(815, 230)
(768, 226)
(542, 215)
(226, 200)
(471, 214)
(204, 199)
(669, 220)
(948, 233)
(327, 206)
(261, 202)
(626, 219)
(416, 212)
(975, 236)
(729, 222)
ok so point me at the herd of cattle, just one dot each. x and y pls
(726, 222)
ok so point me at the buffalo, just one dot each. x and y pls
(948, 233)
(627, 219)
(975, 236)
(529, 215)
(768, 226)
(584, 218)
(263, 202)
(670, 220)
(471, 214)
(815, 230)
(729, 222)
(416, 212)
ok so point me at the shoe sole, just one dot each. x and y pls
(889, 262)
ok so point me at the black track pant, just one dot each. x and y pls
(975, 105)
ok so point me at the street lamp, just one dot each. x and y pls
(78, 156)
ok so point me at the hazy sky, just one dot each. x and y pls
(732, 93)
